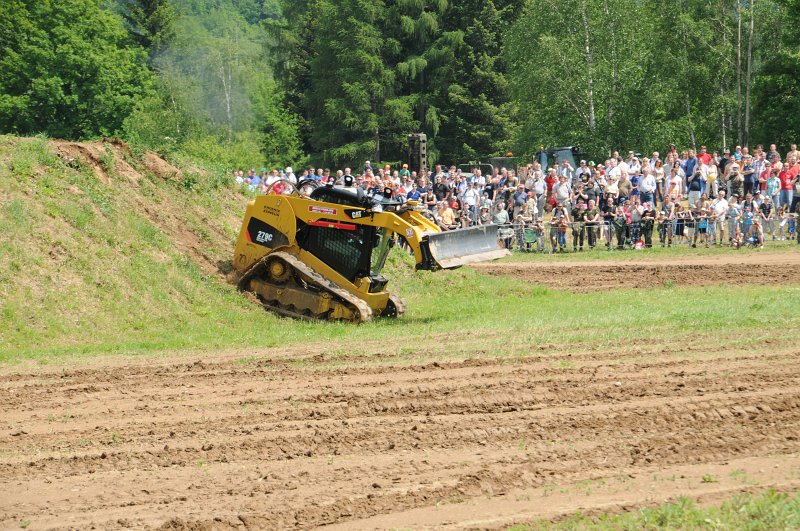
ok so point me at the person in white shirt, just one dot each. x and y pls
(472, 197)
(719, 206)
(563, 191)
(290, 176)
(566, 170)
(624, 168)
(647, 188)
(614, 169)
(633, 167)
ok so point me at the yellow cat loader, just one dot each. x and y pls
(317, 253)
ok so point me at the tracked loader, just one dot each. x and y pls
(317, 253)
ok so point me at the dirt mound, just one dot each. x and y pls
(106, 158)
(113, 157)
(582, 277)
(216, 443)
(161, 167)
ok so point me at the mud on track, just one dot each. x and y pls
(601, 275)
(264, 443)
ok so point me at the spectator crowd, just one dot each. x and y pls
(683, 197)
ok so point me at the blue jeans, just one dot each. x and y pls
(786, 197)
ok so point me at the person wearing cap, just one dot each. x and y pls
(290, 176)
(347, 179)
(582, 172)
(519, 199)
(484, 214)
(531, 206)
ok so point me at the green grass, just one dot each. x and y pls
(84, 270)
(770, 510)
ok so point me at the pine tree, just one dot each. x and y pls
(476, 117)
(352, 102)
(149, 22)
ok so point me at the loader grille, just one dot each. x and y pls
(348, 252)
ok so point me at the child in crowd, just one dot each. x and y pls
(755, 236)
(563, 224)
(663, 226)
(765, 212)
(747, 220)
(782, 220)
(681, 216)
(620, 225)
(702, 227)
(554, 232)
(737, 239)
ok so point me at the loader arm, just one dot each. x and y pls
(435, 249)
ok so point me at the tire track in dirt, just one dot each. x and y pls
(231, 444)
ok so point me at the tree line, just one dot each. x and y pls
(646, 73)
(336, 82)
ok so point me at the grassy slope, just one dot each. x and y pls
(89, 268)
(85, 265)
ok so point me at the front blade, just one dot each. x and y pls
(458, 247)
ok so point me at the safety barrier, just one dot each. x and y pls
(546, 237)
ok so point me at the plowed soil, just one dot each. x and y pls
(601, 275)
(294, 438)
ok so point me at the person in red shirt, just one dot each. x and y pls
(704, 156)
(763, 178)
(785, 177)
(550, 180)
(792, 167)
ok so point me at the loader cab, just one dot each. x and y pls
(355, 251)
(353, 196)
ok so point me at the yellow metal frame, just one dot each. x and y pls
(282, 212)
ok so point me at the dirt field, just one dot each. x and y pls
(293, 438)
(575, 276)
